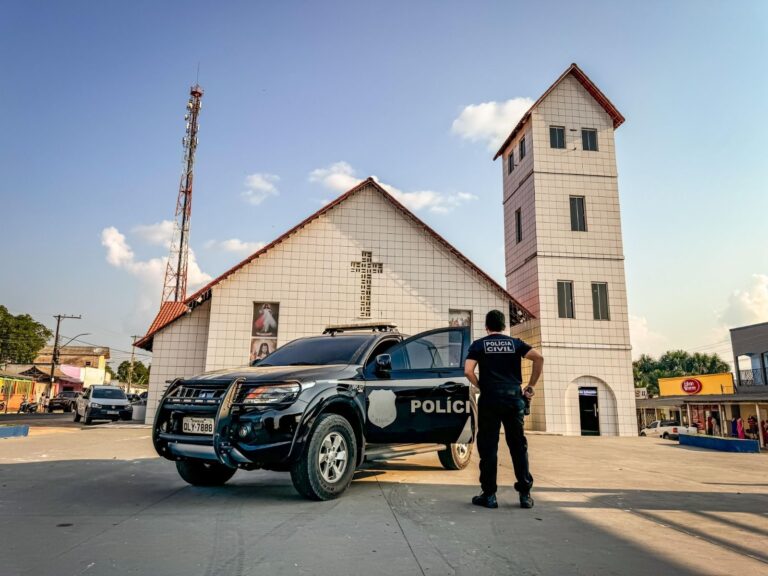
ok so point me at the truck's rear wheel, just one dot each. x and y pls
(326, 465)
(201, 473)
(456, 456)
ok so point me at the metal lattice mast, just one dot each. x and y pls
(175, 286)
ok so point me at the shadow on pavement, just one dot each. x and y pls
(104, 511)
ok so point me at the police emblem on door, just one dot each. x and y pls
(382, 410)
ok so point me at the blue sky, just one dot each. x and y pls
(93, 99)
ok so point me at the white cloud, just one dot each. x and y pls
(151, 272)
(490, 122)
(259, 187)
(158, 234)
(747, 306)
(644, 340)
(340, 177)
(234, 245)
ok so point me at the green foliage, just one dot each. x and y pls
(647, 370)
(140, 372)
(21, 337)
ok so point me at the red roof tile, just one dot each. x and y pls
(169, 314)
(590, 87)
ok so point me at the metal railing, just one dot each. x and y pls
(752, 377)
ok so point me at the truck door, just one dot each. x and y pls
(421, 394)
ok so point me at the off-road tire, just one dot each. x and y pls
(454, 457)
(642, 434)
(306, 473)
(203, 473)
(76, 417)
(665, 436)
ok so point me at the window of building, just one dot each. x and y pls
(589, 139)
(578, 222)
(557, 136)
(87, 363)
(565, 299)
(522, 148)
(518, 225)
(510, 162)
(600, 301)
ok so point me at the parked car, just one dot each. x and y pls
(320, 406)
(667, 429)
(132, 398)
(103, 403)
(64, 400)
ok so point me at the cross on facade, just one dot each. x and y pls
(367, 268)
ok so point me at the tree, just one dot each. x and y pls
(647, 370)
(21, 337)
(140, 372)
(111, 372)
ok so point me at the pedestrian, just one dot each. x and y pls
(502, 401)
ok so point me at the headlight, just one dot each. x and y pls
(95, 405)
(272, 394)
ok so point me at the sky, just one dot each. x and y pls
(303, 99)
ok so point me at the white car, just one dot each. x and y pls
(667, 429)
(103, 403)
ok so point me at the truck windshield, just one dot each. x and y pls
(112, 393)
(316, 352)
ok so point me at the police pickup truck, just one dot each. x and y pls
(319, 407)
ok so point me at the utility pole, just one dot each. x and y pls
(130, 368)
(55, 355)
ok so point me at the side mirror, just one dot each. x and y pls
(383, 363)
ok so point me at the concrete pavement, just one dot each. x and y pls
(97, 501)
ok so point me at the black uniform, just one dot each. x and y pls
(501, 402)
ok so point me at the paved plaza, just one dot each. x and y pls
(98, 501)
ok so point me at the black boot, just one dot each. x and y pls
(486, 500)
(525, 500)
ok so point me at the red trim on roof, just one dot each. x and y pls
(590, 87)
(169, 314)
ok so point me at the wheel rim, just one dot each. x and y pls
(333, 457)
(462, 451)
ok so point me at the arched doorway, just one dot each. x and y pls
(590, 408)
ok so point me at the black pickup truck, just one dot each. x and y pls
(319, 407)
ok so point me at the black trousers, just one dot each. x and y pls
(493, 412)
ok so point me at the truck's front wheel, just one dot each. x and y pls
(326, 465)
(200, 473)
(456, 456)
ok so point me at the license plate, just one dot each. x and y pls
(113, 412)
(197, 425)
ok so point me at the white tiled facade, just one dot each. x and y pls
(580, 351)
(311, 275)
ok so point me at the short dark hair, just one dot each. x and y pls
(495, 321)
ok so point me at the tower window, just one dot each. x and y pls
(510, 162)
(518, 226)
(578, 221)
(565, 299)
(589, 139)
(522, 148)
(557, 136)
(600, 301)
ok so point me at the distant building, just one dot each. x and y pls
(85, 363)
(751, 342)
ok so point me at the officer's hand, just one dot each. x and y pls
(529, 392)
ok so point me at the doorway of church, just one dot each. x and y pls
(589, 411)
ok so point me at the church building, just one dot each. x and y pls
(565, 257)
(365, 257)
(362, 258)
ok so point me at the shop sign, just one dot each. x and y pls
(691, 386)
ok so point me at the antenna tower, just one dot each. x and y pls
(175, 286)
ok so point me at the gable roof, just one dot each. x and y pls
(169, 314)
(590, 87)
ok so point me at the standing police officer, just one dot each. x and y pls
(502, 401)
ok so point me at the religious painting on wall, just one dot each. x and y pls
(261, 348)
(460, 318)
(266, 319)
